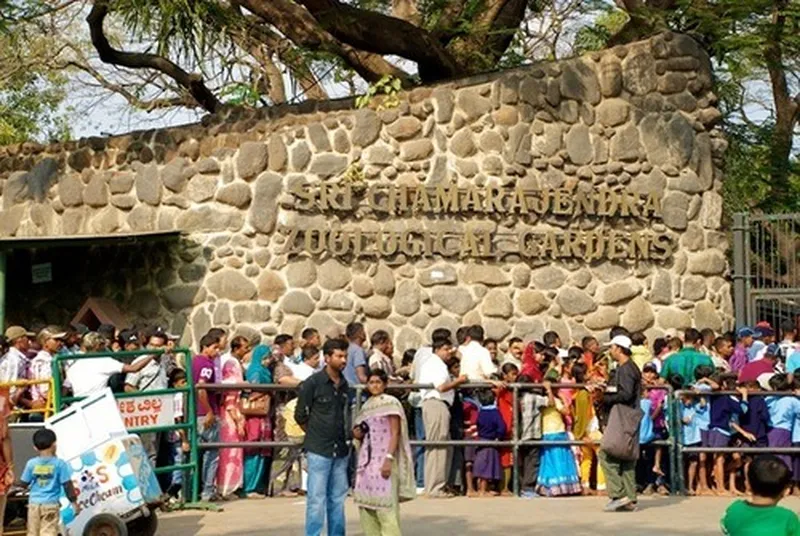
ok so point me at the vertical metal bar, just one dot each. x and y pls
(56, 372)
(515, 437)
(3, 265)
(191, 418)
(739, 269)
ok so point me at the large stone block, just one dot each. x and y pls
(619, 292)
(148, 185)
(231, 285)
(333, 275)
(252, 159)
(407, 298)
(603, 318)
(265, 202)
(579, 82)
(302, 273)
(270, 286)
(299, 303)
(497, 303)
(457, 300)
(486, 274)
(548, 278)
(638, 315)
(439, 274)
(574, 301)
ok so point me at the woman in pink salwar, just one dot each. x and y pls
(384, 474)
(230, 474)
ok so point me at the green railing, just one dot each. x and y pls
(190, 424)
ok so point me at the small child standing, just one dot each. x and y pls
(769, 479)
(586, 428)
(725, 411)
(471, 411)
(178, 441)
(47, 475)
(490, 428)
(756, 422)
(531, 403)
(783, 410)
(692, 408)
(505, 405)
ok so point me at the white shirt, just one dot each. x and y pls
(476, 362)
(435, 372)
(89, 376)
(151, 377)
(508, 358)
(41, 368)
(13, 367)
(302, 371)
(420, 357)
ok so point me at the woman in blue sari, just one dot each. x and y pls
(258, 424)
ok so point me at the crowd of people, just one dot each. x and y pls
(576, 408)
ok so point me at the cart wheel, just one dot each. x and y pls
(105, 525)
(144, 525)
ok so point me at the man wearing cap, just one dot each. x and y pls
(751, 371)
(625, 388)
(50, 339)
(89, 376)
(152, 377)
(759, 347)
(14, 365)
(685, 361)
(739, 359)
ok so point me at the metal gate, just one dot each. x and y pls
(766, 268)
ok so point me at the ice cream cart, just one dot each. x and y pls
(117, 488)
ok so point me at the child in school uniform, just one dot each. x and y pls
(487, 468)
(691, 409)
(725, 413)
(755, 422)
(770, 479)
(783, 410)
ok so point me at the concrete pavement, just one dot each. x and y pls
(579, 516)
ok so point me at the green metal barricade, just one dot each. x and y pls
(190, 425)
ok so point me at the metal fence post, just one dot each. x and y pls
(515, 437)
(740, 269)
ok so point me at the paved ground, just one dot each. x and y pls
(579, 516)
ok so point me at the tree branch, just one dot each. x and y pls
(139, 60)
(381, 34)
(786, 108)
(301, 28)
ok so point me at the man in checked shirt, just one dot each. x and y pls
(50, 339)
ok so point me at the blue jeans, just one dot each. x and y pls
(419, 454)
(210, 459)
(177, 459)
(327, 491)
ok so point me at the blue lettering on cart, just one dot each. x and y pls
(99, 496)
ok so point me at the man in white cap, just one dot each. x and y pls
(14, 365)
(51, 339)
(625, 389)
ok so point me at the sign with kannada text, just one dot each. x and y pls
(147, 411)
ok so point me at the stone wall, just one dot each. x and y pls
(639, 117)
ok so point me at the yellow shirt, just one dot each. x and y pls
(552, 420)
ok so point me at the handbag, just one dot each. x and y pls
(257, 407)
(621, 436)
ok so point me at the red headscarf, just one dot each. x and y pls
(530, 367)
